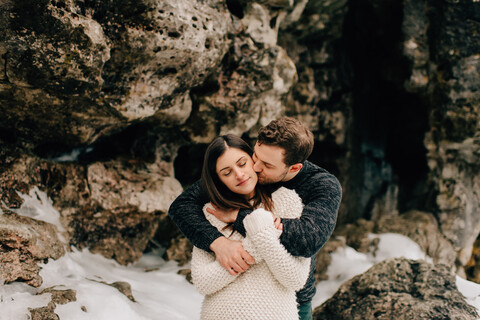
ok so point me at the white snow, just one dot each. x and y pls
(159, 292)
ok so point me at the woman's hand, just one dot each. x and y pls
(277, 222)
(227, 216)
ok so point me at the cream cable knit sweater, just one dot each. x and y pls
(267, 289)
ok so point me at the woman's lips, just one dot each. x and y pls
(242, 182)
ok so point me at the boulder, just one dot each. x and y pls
(400, 289)
(25, 242)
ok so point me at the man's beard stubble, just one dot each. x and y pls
(264, 180)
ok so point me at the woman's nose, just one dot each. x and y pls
(239, 174)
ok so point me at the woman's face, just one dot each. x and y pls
(235, 170)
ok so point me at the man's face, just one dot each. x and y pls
(269, 164)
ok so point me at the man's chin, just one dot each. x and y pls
(265, 181)
(262, 180)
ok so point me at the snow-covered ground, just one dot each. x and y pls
(159, 292)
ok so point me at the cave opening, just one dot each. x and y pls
(389, 123)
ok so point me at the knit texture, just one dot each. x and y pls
(321, 194)
(267, 289)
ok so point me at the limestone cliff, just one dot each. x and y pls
(107, 105)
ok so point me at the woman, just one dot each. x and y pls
(267, 289)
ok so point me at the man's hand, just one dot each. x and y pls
(227, 216)
(231, 255)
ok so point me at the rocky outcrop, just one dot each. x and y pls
(398, 289)
(96, 215)
(442, 42)
(57, 297)
(421, 227)
(99, 99)
(24, 243)
(79, 70)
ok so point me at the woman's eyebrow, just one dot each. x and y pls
(223, 169)
(228, 167)
(241, 158)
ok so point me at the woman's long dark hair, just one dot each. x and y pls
(218, 193)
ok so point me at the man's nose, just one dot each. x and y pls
(257, 167)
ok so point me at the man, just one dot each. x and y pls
(280, 155)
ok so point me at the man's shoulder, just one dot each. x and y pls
(313, 171)
(313, 177)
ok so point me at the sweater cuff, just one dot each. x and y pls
(207, 240)
(257, 221)
(238, 224)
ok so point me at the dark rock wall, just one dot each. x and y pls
(108, 105)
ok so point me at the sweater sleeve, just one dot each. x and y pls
(186, 212)
(321, 195)
(208, 276)
(292, 272)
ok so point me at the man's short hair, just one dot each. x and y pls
(291, 135)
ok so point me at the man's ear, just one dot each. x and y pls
(294, 168)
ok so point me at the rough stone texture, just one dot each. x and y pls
(171, 47)
(97, 98)
(124, 287)
(324, 257)
(57, 297)
(472, 268)
(451, 82)
(112, 185)
(251, 86)
(119, 229)
(77, 70)
(421, 227)
(25, 242)
(356, 234)
(120, 234)
(180, 250)
(398, 289)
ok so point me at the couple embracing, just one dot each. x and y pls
(256, 220)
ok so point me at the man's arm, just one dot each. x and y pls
(321, 196)
(186, 212)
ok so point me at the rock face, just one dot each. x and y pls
(57, 297)
(25, 242)
(107, 107)
(421, 227)
(398, 289)
(75, 69)
(446, 72)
